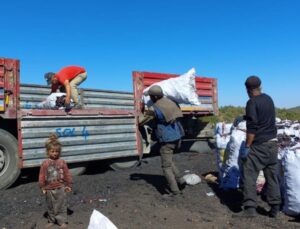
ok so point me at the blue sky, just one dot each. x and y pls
(225, 39)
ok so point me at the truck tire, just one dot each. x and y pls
(77, 169)
(197, 146)
(9, 159)
(128, 162)
(125, 163)
(201, 147)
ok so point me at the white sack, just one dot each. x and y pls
(50, 101)
(99, 221)
(222, 141)
(236, 144)
(289, 131)
(291, 166)
(280, 131)
(222, 131)
(192, 179)
(223, 128)
(181, 89)
(230, 170)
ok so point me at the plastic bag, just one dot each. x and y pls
(192, 179)
(100, 221)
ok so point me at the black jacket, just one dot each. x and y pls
(260, 117)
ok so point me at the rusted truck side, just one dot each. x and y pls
(196, 131)
(105, 128)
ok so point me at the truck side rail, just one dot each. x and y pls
(31, 95)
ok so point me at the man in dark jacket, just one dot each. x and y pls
(262, 150)
(169, 132)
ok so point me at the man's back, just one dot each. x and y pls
(260, 115)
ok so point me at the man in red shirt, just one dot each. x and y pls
(69, 77)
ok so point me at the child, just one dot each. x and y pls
(55, 180)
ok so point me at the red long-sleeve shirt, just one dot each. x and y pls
(54, 174)
(66, 73)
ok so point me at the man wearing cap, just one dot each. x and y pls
(261, 149)
(69, 77)
(169, 132)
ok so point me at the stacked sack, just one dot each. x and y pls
(229, 173)
(228, 149)
(222, 135)
(230, 141)
(289, 172)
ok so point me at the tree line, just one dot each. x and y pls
(229, 113)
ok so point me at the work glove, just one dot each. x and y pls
(244, 152)
(68, 107)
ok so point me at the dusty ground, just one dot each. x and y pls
(133, 200)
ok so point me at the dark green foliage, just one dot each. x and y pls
(290, 114)
(226, 113)
(295, 109)
(229, 113)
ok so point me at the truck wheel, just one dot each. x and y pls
(9, 159)
(77, 169)
(201, 147)
(197, 146)
(128, 162)
(125, 163)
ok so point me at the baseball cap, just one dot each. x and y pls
(48, 76)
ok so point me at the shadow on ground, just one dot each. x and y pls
(232, 198)
(157, 181)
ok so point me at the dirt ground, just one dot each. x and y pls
(133, 199)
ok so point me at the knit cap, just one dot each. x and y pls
(252, 82)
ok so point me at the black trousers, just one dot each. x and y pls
(261, 157)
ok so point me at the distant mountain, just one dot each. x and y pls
(295, 109)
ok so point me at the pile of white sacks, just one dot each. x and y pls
(230, 141)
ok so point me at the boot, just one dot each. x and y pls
(274, 211)
(172, 195)
(171, 180)
(249, 212)
(181, 184)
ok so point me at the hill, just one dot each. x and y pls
(295, 109)
(229, 113)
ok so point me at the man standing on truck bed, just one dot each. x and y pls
(169, 132)
(69, 77)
